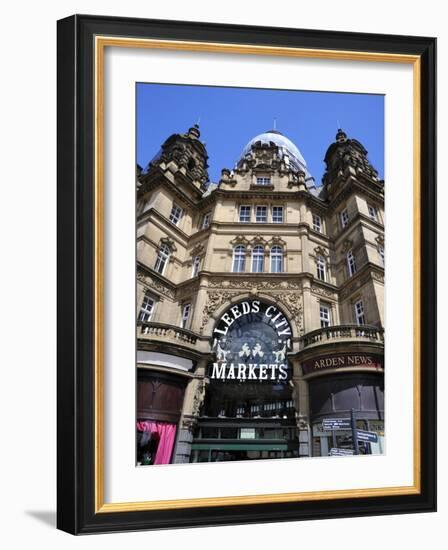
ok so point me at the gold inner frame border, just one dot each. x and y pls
(101, 42)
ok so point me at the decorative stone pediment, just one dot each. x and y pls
(240, 239)
(258, 240)
(347, 245)
(320, 251)
(169, 243)
(198, 250)
(380, 240)
(277, 241)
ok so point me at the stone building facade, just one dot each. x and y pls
(260, 301)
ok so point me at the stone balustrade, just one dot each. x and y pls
(342, 332)
(166, 332)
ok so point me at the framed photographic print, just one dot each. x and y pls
(236, 341)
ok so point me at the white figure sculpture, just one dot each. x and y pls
(245, 350)
(280, 354)
(257, 350)
(221, 353)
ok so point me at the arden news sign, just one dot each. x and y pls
(343, 360)
(250, 343)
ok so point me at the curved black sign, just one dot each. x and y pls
(250, 342)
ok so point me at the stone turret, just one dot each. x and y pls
(347, 157)
(184, 153)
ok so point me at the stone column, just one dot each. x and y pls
(199, 305)
(308, 324)
(141, 291)
(194, 396)
(300, 395)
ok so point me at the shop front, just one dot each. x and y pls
(338, 392)
(159, 404)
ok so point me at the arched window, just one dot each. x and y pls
(321, 268)
(239, 259)
(257, 259)
(276, 259)
(162, 258)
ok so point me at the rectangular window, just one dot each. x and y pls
(245, 214)
(373, 212)
(381, 254)
(186, 308)
(261, 215)
(195, 266)
(162, 258)
(263, 181)
(277, 214)
(206, 220)
(147, 308)
(324, 313)
(344, 217)
(351, 263)
(359, 313)
(321, 268)
(176, 214)
(317, 223)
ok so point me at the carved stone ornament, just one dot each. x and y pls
(320, 251)
(154, 284)
(198, 250)
(258, 240)
(239, 240)
(214, 301)
(302, 422)
(378, 276)
(319, 291)
(347, 245)
(169, 243)
(199, 396)
(261, 285)
(188, 423)
(380, 240)
(294, 303)
(276, 240)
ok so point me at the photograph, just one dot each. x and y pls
(260, 268)
(222, 324)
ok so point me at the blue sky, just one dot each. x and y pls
(230, 117)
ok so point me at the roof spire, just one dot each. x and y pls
(194, 131)
(341, 136)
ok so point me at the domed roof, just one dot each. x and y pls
(286, 146)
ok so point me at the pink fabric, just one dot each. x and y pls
(167, 435)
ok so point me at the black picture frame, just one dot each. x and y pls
(76, 403)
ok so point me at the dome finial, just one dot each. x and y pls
(341, 136)
(194, 131)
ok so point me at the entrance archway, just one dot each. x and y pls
(248, 410)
